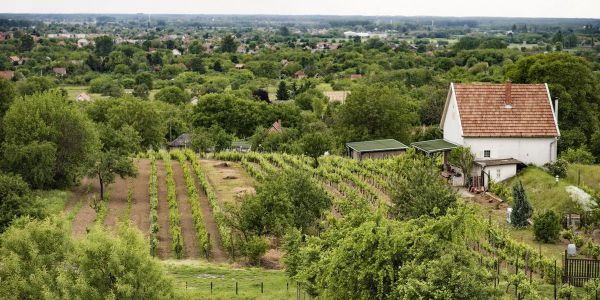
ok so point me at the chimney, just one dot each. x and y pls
(508, 94)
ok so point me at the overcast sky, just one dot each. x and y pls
(460, 8)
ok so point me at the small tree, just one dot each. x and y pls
(463, 158)
(558, 168)
(282, 91)
(546, 226)
(521, 209)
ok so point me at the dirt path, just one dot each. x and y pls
(188, 229)
(86, 215)
(140, 211)
(117, 203)
(216, 246)
(164, 236)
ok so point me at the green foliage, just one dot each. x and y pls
(146, 79)
(282, 91)
(55, 147)
(254, 247)
(7, 95)
(290, 199)
(173, 95)
(546, 226)
(104, 45)
(106, 86)
(34, 84)
(558, 168)
(463, 158)
(420, 191)
(228, 44)
(592, 289)
(376, 111)
(174, 216)
(580, 155)
(153, 195)
(16, 200)
(365, 256)
(220, 138)
(521, 209)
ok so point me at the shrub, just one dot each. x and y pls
(558, 168)
(580, 155)
(254, 248)
(546, 226)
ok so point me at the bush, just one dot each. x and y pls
(580, 155)
(558, 168)
(546, 226)
(254, 248)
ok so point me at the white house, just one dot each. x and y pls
(505, 125)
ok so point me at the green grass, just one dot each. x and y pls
(543, 191)
(590, 175)
(192, 279)
(53, 201)
(74, 90)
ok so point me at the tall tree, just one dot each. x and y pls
(228, 44)
(26, 43)
(114, 156)
(521, 209)
(463, 158)
(54, 147)
(282, 91)
(376, 111)
(104, 45)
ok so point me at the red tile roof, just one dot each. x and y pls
(484, 110)
(8, 75)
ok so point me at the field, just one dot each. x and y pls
(177, 200)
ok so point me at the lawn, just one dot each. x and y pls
(590, 175)
(543, 191)
(193, 280)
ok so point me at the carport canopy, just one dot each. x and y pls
(434, 146)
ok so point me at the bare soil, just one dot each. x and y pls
(140, 211)
(86, 215)
(227, 190)
(164, 236)
(216, 249)
(117, 203)
(188, 229)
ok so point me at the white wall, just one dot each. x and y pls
(537, 151)
(505, 172)
(452, 126)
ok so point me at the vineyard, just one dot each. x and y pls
(183, 212)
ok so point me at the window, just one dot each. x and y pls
(486, 153)
(498, 173)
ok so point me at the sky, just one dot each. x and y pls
(457, 8)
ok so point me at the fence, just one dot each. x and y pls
(291, 290)
(577, 271)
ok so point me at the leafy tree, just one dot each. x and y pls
(7, 95)
(217, 67)
(546, 226)
(104, 45)
(254, 248)
(228, 44)
(144, 78)
(365, 256)
(580, 155)
(34, 84)
(316, 144)
(196, 64)
(419, 191)
(521, 209)
(220, 138)
(201, 140)
(282, 91)
(39, 260)
(26, 43)
(113, 158)
(196, 47)
(147, 118)
(287, 200)
(463, 158)
(376, 111)
(141, 91)
(15, 200)
(558, 168)
(56, 145)
(173, 95)
(106, 86)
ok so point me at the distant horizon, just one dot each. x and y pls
(551, 9)
(293, 15)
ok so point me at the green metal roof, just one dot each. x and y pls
(243, 144)
(433, 146)
(377, 145)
